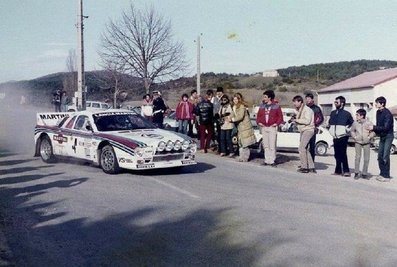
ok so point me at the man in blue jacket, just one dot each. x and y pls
(340, 122)
(384, 129)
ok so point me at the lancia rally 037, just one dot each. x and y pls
(111, 139)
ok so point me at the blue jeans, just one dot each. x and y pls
(226, 145)
(384, 155)
(182, 128)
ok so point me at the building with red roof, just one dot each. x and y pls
(361, 92)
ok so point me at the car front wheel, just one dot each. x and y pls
(321, 149)
(46, 152)
(393, 149)
(108, 160)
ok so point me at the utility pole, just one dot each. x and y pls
(80, 95)
(198, 64)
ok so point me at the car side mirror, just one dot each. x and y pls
(88, 127)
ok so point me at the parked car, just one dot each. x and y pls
(287, 112)
(90, 106)
(170, 122)
(112, 139)
(393, 149)
(288, 139)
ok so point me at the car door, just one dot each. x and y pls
(288, 138)
(81, 138)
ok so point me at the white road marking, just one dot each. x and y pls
(174, 188)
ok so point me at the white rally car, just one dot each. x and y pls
(111, 139)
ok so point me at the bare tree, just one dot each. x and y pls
(70, 77)
(113, 80)
(142, 42)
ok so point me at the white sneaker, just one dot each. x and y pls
(382, 179)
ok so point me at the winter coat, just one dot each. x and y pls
(274, 112)
(158, 110)
(305, 119)
(340, 122)
(245, 130)
(360, 133)
(181, 113)
(226, 109)
(384, 122)
(205, 111)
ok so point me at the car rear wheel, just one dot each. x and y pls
(393, 149)
(321, 148)
(108, 160)
(46, 152)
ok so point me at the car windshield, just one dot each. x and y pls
(119, 122)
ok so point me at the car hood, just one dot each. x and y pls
(148, 137)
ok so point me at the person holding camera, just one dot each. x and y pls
(305, 122)
(226, 127)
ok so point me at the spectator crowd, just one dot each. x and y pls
(218, 118)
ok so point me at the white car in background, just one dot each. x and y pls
(288, 139)
(90, 106)
(287, 112)
(393, 149)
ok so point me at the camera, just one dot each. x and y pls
(293, 117)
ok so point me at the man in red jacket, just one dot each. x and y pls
(269, 117)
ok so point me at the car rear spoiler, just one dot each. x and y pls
(50, 119)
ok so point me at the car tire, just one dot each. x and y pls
(321, 149)
(393, 149)
(108, 160)
(46, 151)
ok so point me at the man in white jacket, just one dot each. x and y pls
(305, 122)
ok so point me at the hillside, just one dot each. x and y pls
(292, 80)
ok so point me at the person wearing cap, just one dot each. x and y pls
(159, 108)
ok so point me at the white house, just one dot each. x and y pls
(361, 92)
(270, 73)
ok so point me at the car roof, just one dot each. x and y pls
(110, 111)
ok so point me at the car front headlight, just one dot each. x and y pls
(140, 151)
(169, 146)
(193, 148)
(185, 145)
(161, 146)
(177, 145)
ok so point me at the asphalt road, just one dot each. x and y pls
(217, 213)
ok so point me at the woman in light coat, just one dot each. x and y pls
(241, 118)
